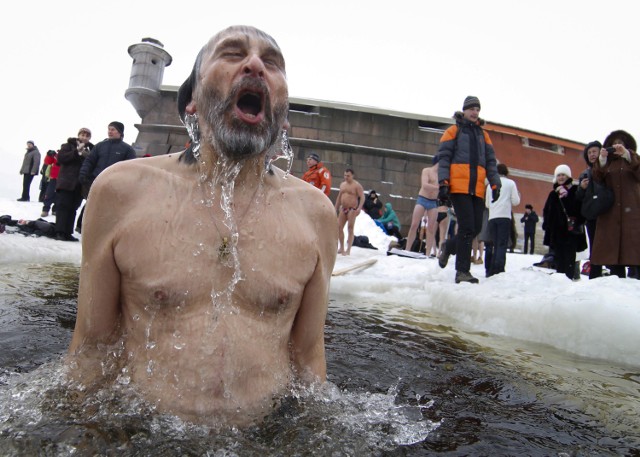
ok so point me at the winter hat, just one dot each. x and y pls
(119, 126)
(627, 139)
(471, 102)
(88, 132)
(31, 143)
(185, 92)
(372, 191)
(593, 144)
(314, 156)
(561, 170)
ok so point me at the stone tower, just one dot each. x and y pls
(147, 70)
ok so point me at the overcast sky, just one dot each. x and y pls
(566, 68)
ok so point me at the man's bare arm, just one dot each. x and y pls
(99, 292)
(307, 334)
(429, 181)
(338, 198)
(360, 193)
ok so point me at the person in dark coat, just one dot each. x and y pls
(562, 204)
(373, 205)
(68, 187)
(530, 220)
(30, 167)
(590, 154)
(106, 153)
(616, 239)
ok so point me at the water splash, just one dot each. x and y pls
(218, 187)
(35, 408)
(285, 152)
(375, 417)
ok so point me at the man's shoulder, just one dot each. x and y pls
(306, 193)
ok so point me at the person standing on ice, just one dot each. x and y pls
(317, 175)
(466, 158)
(348, 205)
(68, 187)
(500, 219)
(205, 274)
(426, 207)
(561, 207)
(30, 167)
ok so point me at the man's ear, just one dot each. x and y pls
(286, 126)
(191, 107)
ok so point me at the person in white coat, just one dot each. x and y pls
(500, 223)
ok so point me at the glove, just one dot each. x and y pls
(443, 194)
(495, 194)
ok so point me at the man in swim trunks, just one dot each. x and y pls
(196, 293)
(426, 206)
(348, 205)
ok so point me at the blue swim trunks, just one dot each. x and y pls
(427, 203)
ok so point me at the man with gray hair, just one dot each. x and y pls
(214, 285)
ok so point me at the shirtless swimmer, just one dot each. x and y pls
(215, 305)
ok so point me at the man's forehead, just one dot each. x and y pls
(244, 34)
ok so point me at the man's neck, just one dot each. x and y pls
(221, 169)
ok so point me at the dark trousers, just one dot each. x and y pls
(67, 204)
(469, 211)
(50, 196)
(529, 238)
(26, 186)
(565, 255)
(595, 271)
(500, 232)
(44, 182)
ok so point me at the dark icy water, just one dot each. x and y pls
(402, 382)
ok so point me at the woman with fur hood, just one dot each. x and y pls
(561, 205)
(616, 242)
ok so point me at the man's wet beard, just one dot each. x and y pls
(234, 138)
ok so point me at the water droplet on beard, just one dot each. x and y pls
(151, 344)
(136, 317)
(179, 346)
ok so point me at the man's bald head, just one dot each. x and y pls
(187, 88)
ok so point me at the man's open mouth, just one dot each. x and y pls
(250, 105)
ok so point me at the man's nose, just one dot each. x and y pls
(254, 66)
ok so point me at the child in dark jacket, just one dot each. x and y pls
(563, 223)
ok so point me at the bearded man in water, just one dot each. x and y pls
(207, 270)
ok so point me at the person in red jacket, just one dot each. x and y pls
(50, 192)
(317, 175)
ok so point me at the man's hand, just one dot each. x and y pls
(443, 194)
(495, 194)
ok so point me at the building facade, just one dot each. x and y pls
(386, 149)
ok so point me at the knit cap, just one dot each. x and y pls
(562, 170)
(119, 126)
(471, 102)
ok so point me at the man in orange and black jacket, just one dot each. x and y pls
(466, 159)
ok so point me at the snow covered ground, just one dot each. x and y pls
(598, 318)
